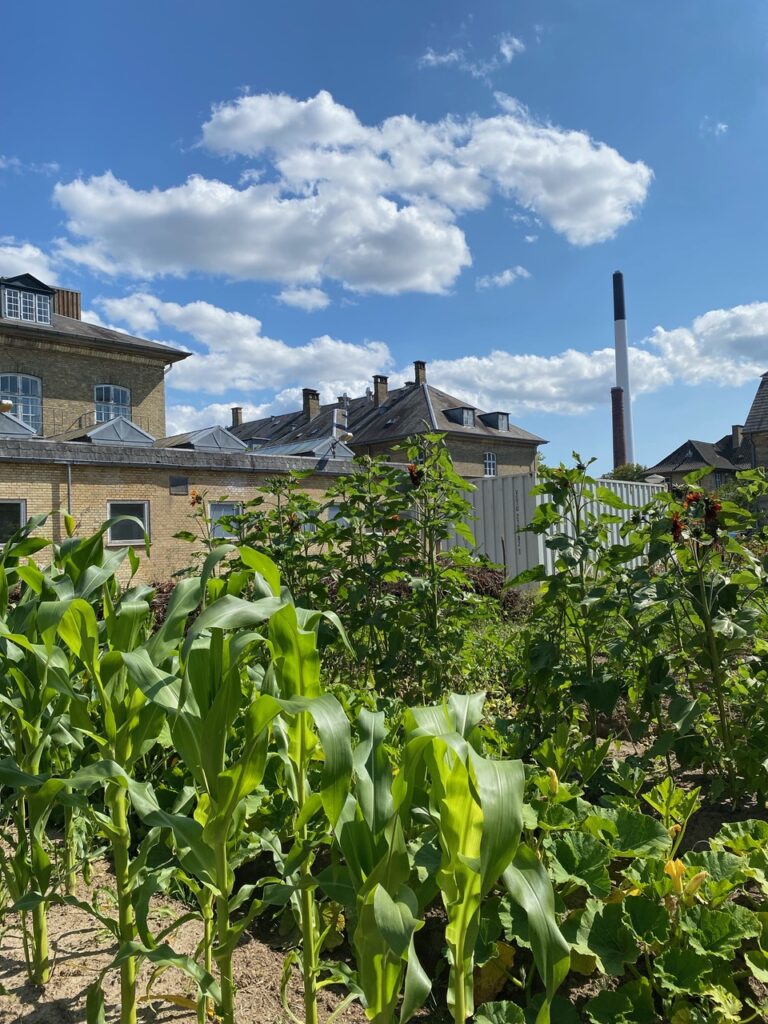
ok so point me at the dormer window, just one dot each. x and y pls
(31, 307)
(25, 393)
(111, 401)
(464, 415)
(496, 420)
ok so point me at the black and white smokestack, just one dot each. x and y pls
(622, 361)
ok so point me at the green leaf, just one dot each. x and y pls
(648, 919)
(581, 859)
(95, 1009)
(630, 1004)
(600, 930)
(528, 884)
(742, 836)
(639, 835)
(719, 933)
(500, 1013)
(682, 971)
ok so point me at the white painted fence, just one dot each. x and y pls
(503, 506)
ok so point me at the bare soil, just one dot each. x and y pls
(81, 949)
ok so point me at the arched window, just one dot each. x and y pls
(111, 401)
(26, 395)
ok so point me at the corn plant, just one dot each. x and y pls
(476, 805)
(125, 723)
(375, 879)
(312, 727)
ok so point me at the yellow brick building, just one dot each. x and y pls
(82, 430)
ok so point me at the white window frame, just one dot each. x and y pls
(22, 503)
(18, 397)
(112, 403)
(490, 464)
(29, 307)
(28, 313)
(43, 308)
(218, 532)
(117, 542)
(12, 299)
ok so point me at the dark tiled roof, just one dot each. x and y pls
(693, 455)
(406, 411)
(757, 418)
(68, 329)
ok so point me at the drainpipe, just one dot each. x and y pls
(69, 488)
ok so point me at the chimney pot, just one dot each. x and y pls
(380, 387)
(310, 403)
(420, 371)
(237, 415)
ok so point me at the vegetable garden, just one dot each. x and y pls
(441, 801)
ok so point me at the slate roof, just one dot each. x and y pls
(693, 455)
(65, 328)
(757, 418)
(320, 447)
(205, 439)
(406, 411)
(12, 426)
(119, 430)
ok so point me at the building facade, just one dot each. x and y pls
(481, 444)
(746, 447)
(82, 431)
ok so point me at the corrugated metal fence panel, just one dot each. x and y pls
(503, 506)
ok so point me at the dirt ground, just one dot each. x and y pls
(81, 949)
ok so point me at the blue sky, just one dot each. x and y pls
(305, 194)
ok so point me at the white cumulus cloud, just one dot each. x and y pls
(24, 258)
(374, 207)
(309, 299)
(234, 356)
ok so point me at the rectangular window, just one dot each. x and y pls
(220, 510)
(28, 306)
(12, 307)
(489, 463)
(43, 309)
(128, 531)
(178, 485)
(13, 515)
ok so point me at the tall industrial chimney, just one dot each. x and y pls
(622, 361)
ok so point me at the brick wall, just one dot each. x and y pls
(69, 374)
(44, 487)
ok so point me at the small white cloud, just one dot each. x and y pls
(709, 126)
(531, 239)
(431, 59)
(24, 258)
(503, 279)
(510, 47)
(309, 299)
(12, 163)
